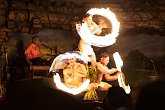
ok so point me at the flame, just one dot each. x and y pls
(58, 62)
(73, 91)
(100, 41)
(118, 61)
(110, 16)
(122, 84)
(119, 64)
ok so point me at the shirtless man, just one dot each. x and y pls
(104, 71)
(74, 73)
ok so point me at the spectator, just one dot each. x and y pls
(117, 99)
(152, 96)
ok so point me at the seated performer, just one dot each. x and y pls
(74, 73)
(32, 52)
(85, 47)
(105, 72)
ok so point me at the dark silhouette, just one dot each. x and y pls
(152, 96)
(117, 99)
(38, 94)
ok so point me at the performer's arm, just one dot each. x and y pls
(104, 69)
(112, 70)
(81, 70)
(111, 78)
(97, 29)
(114, 77)
(67, 72)
(67, 76)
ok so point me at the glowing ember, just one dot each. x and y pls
(118, 61)
(100, 41)
(73, 91)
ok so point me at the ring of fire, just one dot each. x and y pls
(100, 41)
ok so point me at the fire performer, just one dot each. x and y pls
(74, 73)
(85, 47)
(105, 72)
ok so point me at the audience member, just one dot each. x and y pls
(117, 99)
(152, 96)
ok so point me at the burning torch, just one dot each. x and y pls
(119, 64)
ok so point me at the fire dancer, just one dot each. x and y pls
(105, 72)
(74, 73)
(85, 47)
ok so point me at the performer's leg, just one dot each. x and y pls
(103, 86)
(92, 86)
